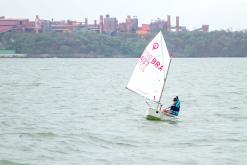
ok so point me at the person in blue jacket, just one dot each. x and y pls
(174, 109)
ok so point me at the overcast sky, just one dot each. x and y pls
(219, 14)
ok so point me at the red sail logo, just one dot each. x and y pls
(155, 45)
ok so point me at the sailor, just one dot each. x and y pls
(174, 109)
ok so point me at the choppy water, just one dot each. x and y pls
(77, 111)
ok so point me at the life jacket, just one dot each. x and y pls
(177, 104)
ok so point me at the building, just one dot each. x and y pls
(110, 25)
(130, 25)
(205, 28)
(134, 24)
(122, 27)
(63, 26)
(158, 25)
(19, 25)
(177, 27)
(45, 25)
(30, 27)
(144, 30)
(94, 27)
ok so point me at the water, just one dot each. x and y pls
(77, 111)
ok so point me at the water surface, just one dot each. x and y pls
(77, 111)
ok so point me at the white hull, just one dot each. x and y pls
(153, 114)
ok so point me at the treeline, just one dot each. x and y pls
(212, 44)
(88, 44)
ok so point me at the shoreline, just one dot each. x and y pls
(21, 56)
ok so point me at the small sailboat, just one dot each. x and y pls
(149, 77)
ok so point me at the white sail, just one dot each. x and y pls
(150, 72)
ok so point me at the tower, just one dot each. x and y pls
(101, 24)
(177, 23)
(168, 23)
(37, 26)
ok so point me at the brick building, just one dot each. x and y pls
(20, 25)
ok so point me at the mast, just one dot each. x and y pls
(164, 84)
(164, 81)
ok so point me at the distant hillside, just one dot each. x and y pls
(88, 44)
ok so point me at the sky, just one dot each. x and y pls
(219, 14)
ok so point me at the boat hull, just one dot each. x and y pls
(153, 114)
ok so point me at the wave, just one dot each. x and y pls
(38, 134)
(8, 162)
(109, 142)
